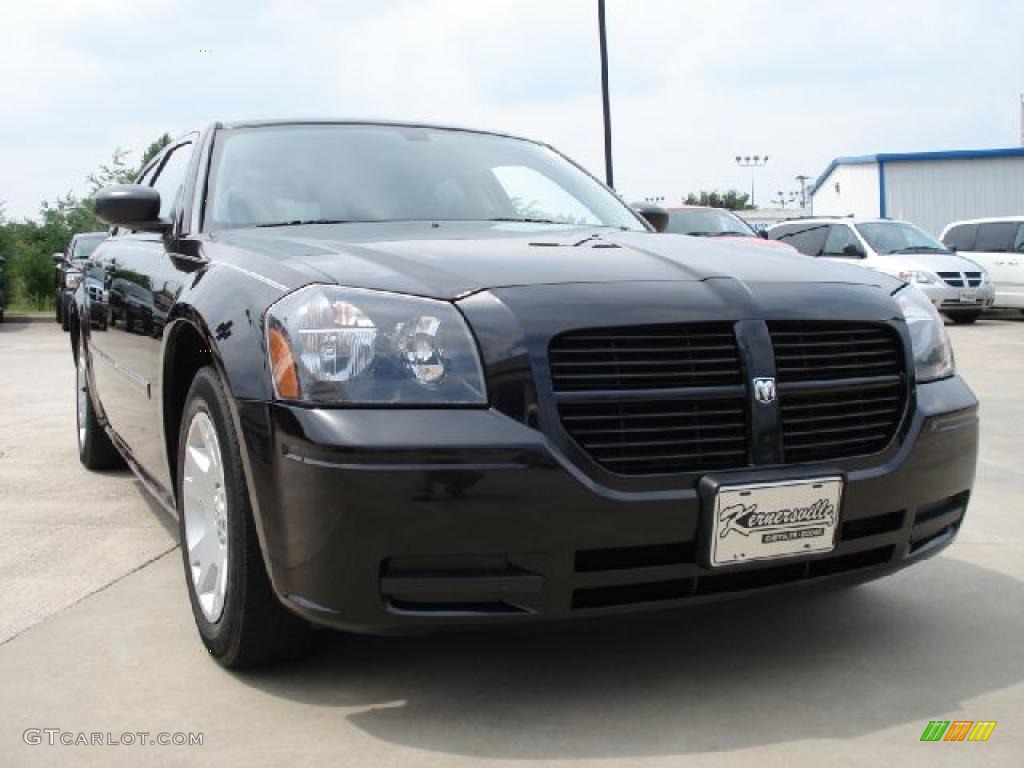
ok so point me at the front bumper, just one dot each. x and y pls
(947, 298)
(393, 520)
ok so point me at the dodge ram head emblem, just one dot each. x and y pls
(764, 390)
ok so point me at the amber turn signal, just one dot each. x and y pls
(286, 379)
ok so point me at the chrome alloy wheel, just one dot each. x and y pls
(83, 402)
(206, 515)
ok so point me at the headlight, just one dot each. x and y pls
(329, 344)
(72, 280)
(933, 354)
(919, 276)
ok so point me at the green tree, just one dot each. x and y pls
(732, 200)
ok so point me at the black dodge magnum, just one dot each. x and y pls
(392, 376)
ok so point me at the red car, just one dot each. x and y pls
(700, 221)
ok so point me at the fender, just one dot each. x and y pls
(232, 337)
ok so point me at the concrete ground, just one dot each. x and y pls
(96, 636)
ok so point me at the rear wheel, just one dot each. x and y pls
(95, 450)
(240, 620)
(965, 318)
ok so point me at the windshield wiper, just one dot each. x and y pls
(299, 222)
(913, 248)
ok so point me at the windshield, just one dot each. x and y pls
(887, 237)
(84, 246)
(707, 223)
(277, 175)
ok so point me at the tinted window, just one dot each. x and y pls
(809, 239)
(961, 237)
(292, 173)
(839, 237)
(169, 179)
(996, 237)
(1018, 241)
(707, 223)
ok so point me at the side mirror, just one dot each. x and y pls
(654, 215)
(58, 258)
(763, 234)
(952, 248)
(132, 206)
(854, 251)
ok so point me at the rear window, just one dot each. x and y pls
(961, 237)
(996, 237)
(84, 246)
(1018, 242)
(707, 223)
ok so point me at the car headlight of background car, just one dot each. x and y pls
(933, 353)
(72, 280)
(919, 276)
(333, 345)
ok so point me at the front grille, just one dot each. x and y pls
(661, 436)
(645, 357)
(841, 388)
(973, 279)
(955, 279)
(653, 399)
(668, 399)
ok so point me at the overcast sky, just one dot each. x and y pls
(693, 83)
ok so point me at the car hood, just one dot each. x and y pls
(930, 262)
(451, 260)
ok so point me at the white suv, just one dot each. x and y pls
(998, 245)
(957, 286)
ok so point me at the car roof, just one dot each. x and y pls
(271, 122)
(986, 220)
(839, 220)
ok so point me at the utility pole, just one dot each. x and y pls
(802, 181)
(603, 32)
(752, 162)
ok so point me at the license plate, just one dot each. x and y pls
(968, 297)
(768, 521)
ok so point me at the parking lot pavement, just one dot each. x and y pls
(840, 678)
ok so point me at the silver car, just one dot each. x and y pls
(958, 287)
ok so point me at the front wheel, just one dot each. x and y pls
(240, 620)
(95, 449)
(965, 318)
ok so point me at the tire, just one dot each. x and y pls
(240, 620)
(965, 318)
(95, 450)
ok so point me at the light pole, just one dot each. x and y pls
(783, 199)
(752, 162)
(603, 33)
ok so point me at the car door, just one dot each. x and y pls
(142, 282)
(995, 251)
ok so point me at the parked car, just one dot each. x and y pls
(957, 286)
(997, 244)
(69, 268)
(410, 377)
(701, 221)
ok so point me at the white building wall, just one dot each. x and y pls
(857, 192)
(934, 193)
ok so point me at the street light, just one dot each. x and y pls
(752, 162)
